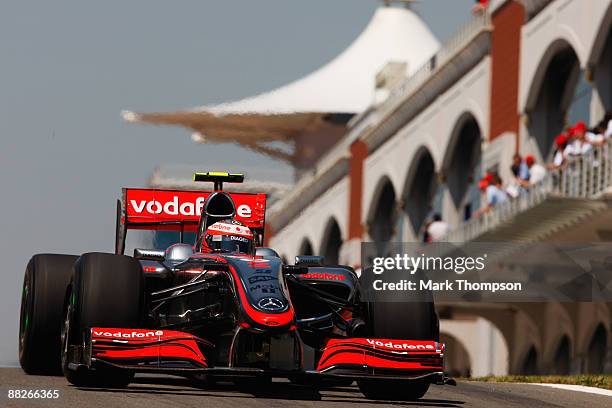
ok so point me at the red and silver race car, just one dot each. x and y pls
(222, 307)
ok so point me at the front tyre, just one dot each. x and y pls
(44, 286)
(405, 320)
(106, 290)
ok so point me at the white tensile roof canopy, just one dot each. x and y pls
(316, 103)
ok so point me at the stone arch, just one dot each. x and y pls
(548, 102)
(306, 247)
(331, 242)
(459, 362)
(600, 64)
(597, 350)
(419, 188)
(460, 163)
(382, 214)
(561, 364)
(601, 38)
(529, 365)
(475, 332)
(518, 330)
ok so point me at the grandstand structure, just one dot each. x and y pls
(424, 131)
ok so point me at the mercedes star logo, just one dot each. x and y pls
(270, 304)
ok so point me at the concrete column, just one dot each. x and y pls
(350, 252)
(505, 62)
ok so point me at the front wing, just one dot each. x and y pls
(174, 352)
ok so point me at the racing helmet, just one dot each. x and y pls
(228, 236)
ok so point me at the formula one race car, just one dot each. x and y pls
(222, 307)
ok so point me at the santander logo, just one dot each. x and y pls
(400, 346)
(176, 207)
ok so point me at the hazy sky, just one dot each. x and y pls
(67, 68)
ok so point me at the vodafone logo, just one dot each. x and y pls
(231, 228)
(172, 207)
(128, 335)
(400, 346)
(324, 276)
(244, 211)
(175, 206)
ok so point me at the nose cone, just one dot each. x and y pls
(260, 292)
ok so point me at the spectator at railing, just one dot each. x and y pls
(558, 156)
(519, 168)
(601, 132)
(520, 180)
(480, 7)
(537, 172)
(578, 145)
(581, 162)
(437, 229)
(493, 193)
(596, 135)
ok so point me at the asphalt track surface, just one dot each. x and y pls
(156, 391)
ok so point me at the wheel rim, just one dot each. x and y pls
(24, 316)
(65, 336)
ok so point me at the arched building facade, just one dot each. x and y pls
(508, 82)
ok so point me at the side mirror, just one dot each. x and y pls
(269, 252)
(309, 260)
(149, 254)
(295, 270)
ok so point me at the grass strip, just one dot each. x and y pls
(599, 381)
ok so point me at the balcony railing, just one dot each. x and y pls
(588, 177)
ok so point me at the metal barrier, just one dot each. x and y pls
(587, 176)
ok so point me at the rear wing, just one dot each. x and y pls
(179, 210)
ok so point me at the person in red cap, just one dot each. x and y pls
(580, 127)
(493, 193)
(578, 145)
(480, 7)
(558, 154)
(483, 184)
(537, 172)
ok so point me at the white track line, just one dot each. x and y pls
(579, 388)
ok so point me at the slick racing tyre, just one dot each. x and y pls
(400, 319)
(106, 290)
(44, 286)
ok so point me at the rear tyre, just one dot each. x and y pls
(44, 286)
(401, 320)
(106, 290)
